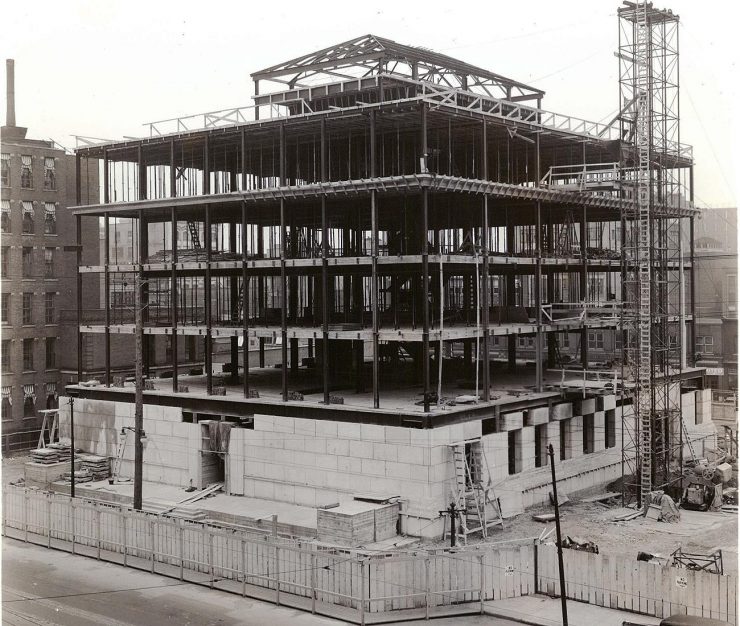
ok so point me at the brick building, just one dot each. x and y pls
(38, 275)
(716, 302)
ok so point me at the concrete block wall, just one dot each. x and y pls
(561, 411)
(171, 453)
(703, 411)
(576, 437)
(536, 416)
(314, 463)
(511, 421)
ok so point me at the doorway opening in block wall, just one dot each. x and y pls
(540, 445)
(588, 434)
(473, 461)
(214, 452)
(610, 424)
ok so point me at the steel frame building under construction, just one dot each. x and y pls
(389, 216)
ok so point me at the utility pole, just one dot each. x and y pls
(138, 396)
(72, 446)
(561, 570)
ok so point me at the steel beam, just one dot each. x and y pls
(324, 271)
(374, 269)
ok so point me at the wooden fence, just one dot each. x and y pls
(619, 582)
(351, 584)
(354, 585)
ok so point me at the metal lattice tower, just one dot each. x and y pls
(651, 166)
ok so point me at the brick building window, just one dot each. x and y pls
(27, 262)
(50, 176)
(50, 307)
(27, 355)
(50, 218)
(731, 299)
(5, 169)
(6, 355)
(5, 216)
(51, 353)
(48, 262)
(52, 399)
(4, 261)
(596, 340)
(705, 344)
(5, 309)
(26, 171)
(28, 308)
(29, 400)
(7, 402)
(28, 222)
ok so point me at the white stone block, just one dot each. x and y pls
(419, 473)
(264, 489)
(385, 452)
(326, 461)
(471, 430)
(349, 465)
(538, 415)
(264, 422)
(361, 449)
(609, 402)
(284, 493)
(372, 467)
(419, 436)
(284, 424)
(315, 445)
(337, 447)
(372, 432)
(273, 471)
(349, 430)
(412, 454)
(561, 411)
(525, 450)
(326, 428)
(304, 427)
(400, 471)
(511, 421)
(585, 406)
(397, 435)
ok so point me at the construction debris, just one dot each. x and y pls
(576, 543)
(98, 466)
(45, 456)
(544, 517)
(711, 562)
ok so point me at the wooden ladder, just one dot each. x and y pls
(118, 461)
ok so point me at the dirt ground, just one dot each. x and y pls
(699, 532)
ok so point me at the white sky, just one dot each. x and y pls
(103, 68)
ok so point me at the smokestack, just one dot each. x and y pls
(10, 91)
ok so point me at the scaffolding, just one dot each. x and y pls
(652, 253)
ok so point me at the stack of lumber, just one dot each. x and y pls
(45, 456)
(98, 466)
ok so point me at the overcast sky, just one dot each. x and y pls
(103, 68)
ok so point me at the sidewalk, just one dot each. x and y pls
(545, 611)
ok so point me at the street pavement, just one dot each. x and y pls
(49, 587)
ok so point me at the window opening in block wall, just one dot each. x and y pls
(540, 445)
(565, 451)
(514, 443)
(588, 434)
(610, 426)
(488, 426)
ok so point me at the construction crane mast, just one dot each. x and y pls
(652, 164)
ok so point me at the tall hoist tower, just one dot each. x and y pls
(653, 164)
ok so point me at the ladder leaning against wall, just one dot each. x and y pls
(476, 499)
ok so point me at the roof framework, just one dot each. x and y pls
(370, 55)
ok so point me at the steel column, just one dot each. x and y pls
(425, 262)
(207, 296)
(374, 268)
(173, 288)
(485, 252)
(283, 277)
(78, 241)
(106, 297)
(245, 301)
(324, 270)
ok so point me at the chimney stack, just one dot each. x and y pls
(10, 92)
